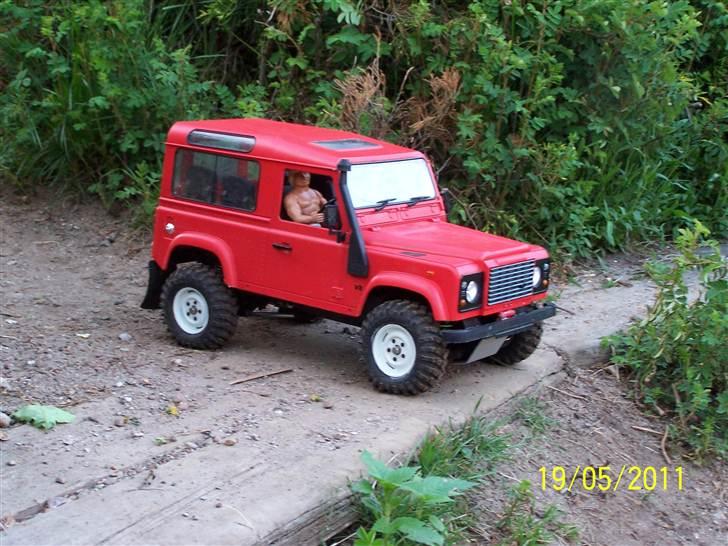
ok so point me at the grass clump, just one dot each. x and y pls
(677, 355)
(521, 526)
(532, 413)
(463, 451)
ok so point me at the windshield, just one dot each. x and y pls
(381, 184)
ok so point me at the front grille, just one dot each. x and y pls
(510, 282)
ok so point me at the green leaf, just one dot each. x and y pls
(44, 417)
(382, 473)
(417, 531)
(434, 489)
(363, 487)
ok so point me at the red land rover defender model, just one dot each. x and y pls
(384, 257)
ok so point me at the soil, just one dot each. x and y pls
(590, 419)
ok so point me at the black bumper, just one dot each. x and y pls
(500, 328)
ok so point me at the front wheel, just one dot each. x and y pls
(403, 348)
(519, 347)
(200, 311)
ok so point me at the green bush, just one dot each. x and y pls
(677, 355)
(92, 96)
(584, 125)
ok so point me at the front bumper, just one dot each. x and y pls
(500, 328)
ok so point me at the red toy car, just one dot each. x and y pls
(379, 254)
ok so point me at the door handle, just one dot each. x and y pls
(282, 246)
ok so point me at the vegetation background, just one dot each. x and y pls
(585, 125)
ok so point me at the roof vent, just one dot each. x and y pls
(345, 144)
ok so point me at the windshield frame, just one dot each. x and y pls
(433, 188)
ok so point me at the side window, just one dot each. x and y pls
(216, 179)
(304, 195)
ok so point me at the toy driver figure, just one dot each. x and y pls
(303, 203)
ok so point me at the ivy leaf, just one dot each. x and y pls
(43, 417)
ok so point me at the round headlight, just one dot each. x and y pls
(536, 276)
(471, 292)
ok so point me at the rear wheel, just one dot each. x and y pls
(200, 311)
(403, 348)
(519, 347)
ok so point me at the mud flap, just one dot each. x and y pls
(154, 286)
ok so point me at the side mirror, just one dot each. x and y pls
(448, 199)
(332, 220)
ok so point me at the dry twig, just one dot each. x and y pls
(644, 429)
(578, 397)
(663, 448)
(259, 376)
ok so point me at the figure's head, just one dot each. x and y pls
(300, 179)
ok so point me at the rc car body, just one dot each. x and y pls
(385, 258)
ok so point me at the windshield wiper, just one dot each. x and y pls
(417, 199)
(383, 203)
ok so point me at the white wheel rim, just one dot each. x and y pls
(191, 312)
(394, 350)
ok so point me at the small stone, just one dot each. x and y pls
(185, 515)
(328, 405)
(12, 463)
(31, 362)
(55, 502)
(137, 435)
(4, 383)
(61, 480)
(119, 422)
(125, 336)
(191, 445)
(218, 505)
(119, 384)
(230, 442)
(254, 437)
(4, 420)
(177, 361)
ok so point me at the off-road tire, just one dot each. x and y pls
(519, 347)
(430, 349)
(221, 302)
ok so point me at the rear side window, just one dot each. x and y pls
(216, 179)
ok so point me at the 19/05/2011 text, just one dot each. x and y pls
(603, 478)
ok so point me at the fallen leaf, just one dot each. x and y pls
(315, 398)
(44, 417)
(173, 410)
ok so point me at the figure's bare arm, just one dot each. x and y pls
(321, 198)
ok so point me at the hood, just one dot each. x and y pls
(438, 238)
